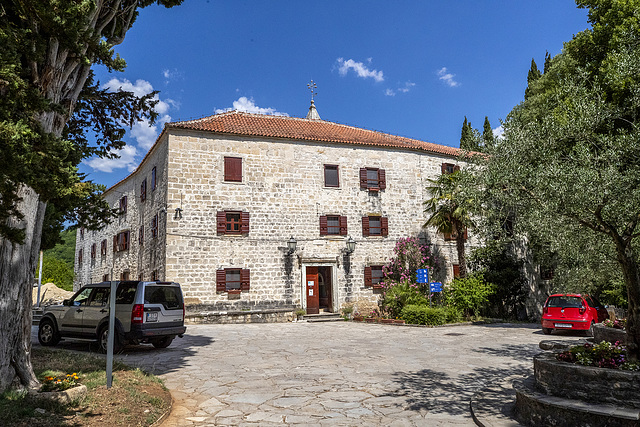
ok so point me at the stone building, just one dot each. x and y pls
(215, 202)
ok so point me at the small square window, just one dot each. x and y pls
(333, 225)
(375, 226)
(234, 223)
(448, 168)
(123, 205)
(373, 179)
(331, 178)
(233, 279)
(233, 169)
(376, 275)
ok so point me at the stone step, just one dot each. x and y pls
(323, 317)
(536, 408)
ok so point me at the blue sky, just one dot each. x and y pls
(410, 68)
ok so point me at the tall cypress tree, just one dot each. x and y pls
(547, 62)
(466, 136)
(487, 134)
(534, 74)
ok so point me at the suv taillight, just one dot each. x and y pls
(137, 314)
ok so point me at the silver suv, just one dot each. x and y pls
(146, 312)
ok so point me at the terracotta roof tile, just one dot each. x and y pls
(247, 124)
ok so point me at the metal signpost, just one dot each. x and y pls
(112, 331)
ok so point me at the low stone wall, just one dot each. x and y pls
(586, 383)
(604, 333)
(243, 316)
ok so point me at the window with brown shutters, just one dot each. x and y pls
(375, 226)
(232, 222)
(233, 169)
(103, 247)
(373, 179)
(143, 190)
(124, 275)
(121, 241)
(80, 256)
(141, 235)
(155, 276)
(123, 205)
(93, 251)
(373, 276)
(331, 177)
(154, 226)
(448, 168)
(82, 232)
(456, 271)
(333, 225)
(233, 280)
(154, 182)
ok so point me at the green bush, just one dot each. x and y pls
(469, 294)
(398, 295)
(453, 315)
(58, 272)
(423, 315)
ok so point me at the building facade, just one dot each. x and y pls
(216, 201)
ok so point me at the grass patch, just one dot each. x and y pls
(135, 397)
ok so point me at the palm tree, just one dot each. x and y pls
(450, 211)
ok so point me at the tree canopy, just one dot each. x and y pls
(569, 163)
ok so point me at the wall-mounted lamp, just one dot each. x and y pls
(351, 245)
(291, 245)
(178, 214)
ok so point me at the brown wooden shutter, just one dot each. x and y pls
(365, 226)
(221, 280)
(222, 222)
(363, 177)
(324, 229)
(115, 243)
(443, 168)
(382, 179)
(343, 225)
(233, 169)
(368, 276)
(384, 224)
(244, 279)
(244, 225)
(456, 168)
(465, 233)
(127, 239)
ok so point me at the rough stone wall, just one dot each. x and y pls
(138, 259)
(283, 190)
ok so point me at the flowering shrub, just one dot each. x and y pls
(60, 382)
(616, 324)
(396, 297)
(603, 355)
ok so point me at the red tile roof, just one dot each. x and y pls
(259, 125)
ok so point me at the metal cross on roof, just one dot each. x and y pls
(312, 87)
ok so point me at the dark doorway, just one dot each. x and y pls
(325, 289)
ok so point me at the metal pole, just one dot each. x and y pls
(112, 330)
(39, 279)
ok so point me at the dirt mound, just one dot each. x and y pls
(50, 294)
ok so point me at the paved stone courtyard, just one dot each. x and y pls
(338, 374)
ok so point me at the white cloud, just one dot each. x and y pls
(407, 87)
(359, 68)
(448, 78)
(171, 75)
(248, 104)
(127, 160)
(498, 132)
(390, 92)
(144, 132)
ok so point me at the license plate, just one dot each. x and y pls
(563, 325)
(152, 317)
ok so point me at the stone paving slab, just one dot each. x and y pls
(334, 373)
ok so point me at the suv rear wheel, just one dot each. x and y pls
(103, 341)
(163, 342)
(47, 333)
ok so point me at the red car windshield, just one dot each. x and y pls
(564, 302)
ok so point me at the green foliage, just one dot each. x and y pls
(65, 248)
(470, 294)
(453, 315)
(487, 134)
(58, 272)
(397, 296)
(533, 75)
(497, 264)
(602, 355)
(424, 315)
(469, 137)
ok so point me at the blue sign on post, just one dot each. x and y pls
(422, 275)
(435, 287)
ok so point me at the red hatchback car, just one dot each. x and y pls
(572, 312)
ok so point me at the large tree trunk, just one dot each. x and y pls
(631, 273)
(462, 259)
(17, 271)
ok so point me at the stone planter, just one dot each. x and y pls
(604, 333)
(370, 320)
(398, 321)
(586, 383)
(358, 318)
(63, 397)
